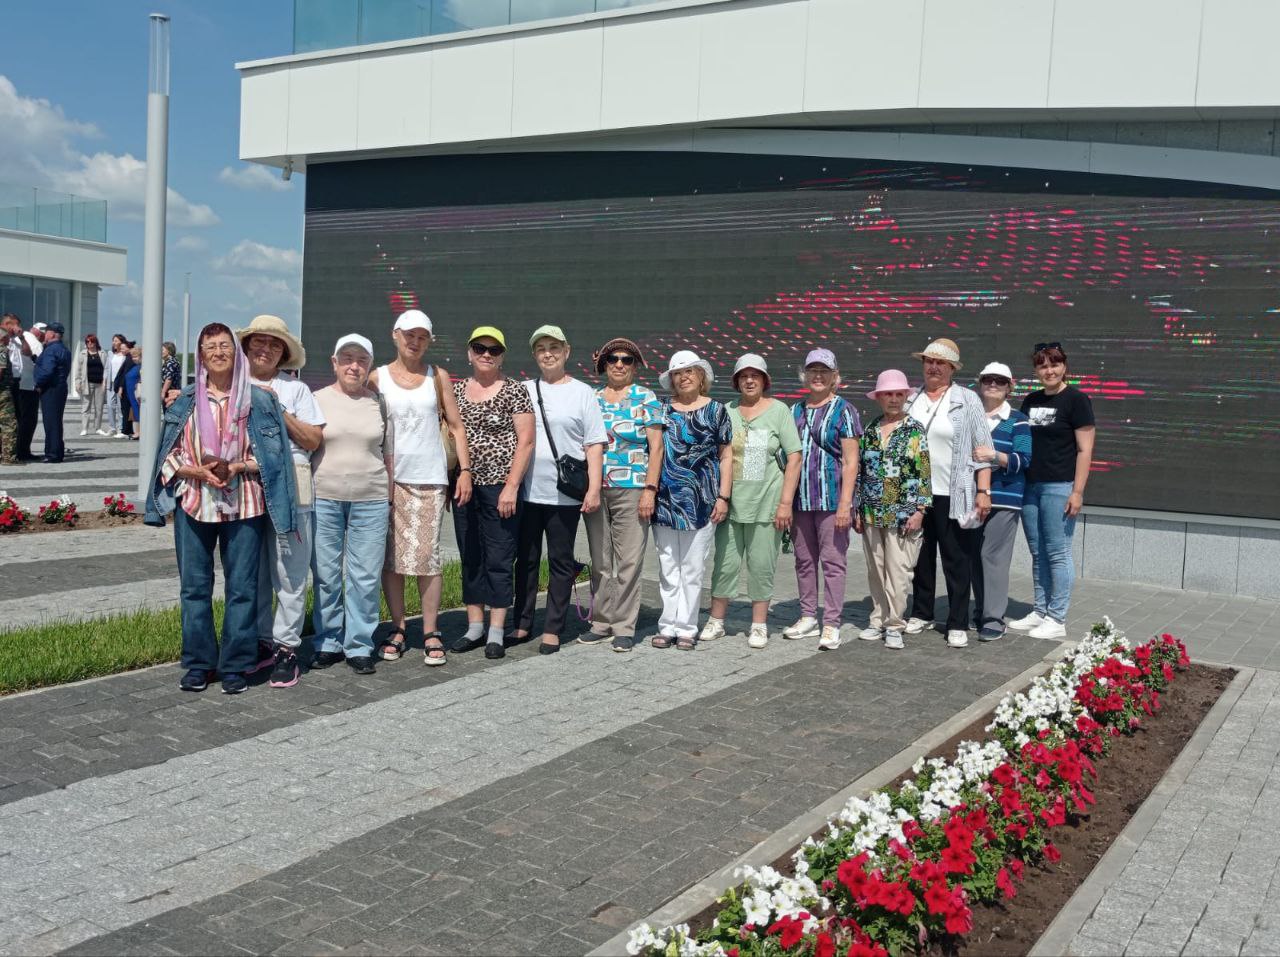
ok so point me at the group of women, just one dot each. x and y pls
(351, 482)
(107, 383)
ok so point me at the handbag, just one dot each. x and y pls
(571, 473)
(446, 437)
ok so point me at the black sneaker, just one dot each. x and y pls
(197, 679)
(325, 659)
(234, 683)
(623, 642)
(592, 638)
(266, 656)
(285, 673)
(362, 665)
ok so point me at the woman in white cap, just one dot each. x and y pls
(829, 428)
(419, 399)
(1009, 456)
(693, 493)
(957, 429)
(353, 471)
(562, 484)
(893, 496)
(766, 468)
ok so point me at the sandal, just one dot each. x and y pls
(428, 657)
(686, 643)
(662, 641)
(391, 647)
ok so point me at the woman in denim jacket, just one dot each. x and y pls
(223, 468)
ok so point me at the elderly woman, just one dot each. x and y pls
(1062, 435)
(170, 368)
(132, 376)
(420, 401)
(893, 497)
(223, 462)
(88, 373)
(1009, 455)
(562, 484)
(693, 493)
(829, 430)
(766, 468)
(957, 429)
(498, 417)
(352, 471)
(618, 531)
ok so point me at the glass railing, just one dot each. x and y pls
(50, 213)
(328, 24)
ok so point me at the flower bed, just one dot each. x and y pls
(901, 870)
(13, 518)
(62, 514)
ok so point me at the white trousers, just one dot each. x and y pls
(283, 567)
(114, 421)
(682, 561)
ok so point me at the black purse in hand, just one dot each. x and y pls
(571, 473)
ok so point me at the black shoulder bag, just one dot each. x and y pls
(571, 473)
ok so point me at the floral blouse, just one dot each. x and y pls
(893, 479)
(691, 464)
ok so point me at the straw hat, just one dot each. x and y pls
(943, 349)
(295, 356)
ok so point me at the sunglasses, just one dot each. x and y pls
(494, 350)
(1041, 346)
(993, 380)
(626, 360)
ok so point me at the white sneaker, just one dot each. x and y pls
(1026, 624)
(830, 639)
(1049, 629)
(893, 639)
(121, 435)
(806, 627)
(957, 639)
(916, 625)
(713, 629)
(871, 634)
(759, 636)
(104, 432)
(84, 431)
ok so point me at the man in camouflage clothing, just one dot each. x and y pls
(8, 414)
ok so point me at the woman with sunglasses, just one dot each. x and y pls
(618, 531)
(1062, 434)
(1009, 454)
(498, 418)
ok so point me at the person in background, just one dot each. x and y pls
(894, 494)
(222, 467)
(618, 531)
(31, 343)
(568, 423)
(420, 401)
(829, 428)
(52, 370)
(8, 413)
(1062, 436)
(115, 361)
(88, 374)
(693, 493)
(270, 348)
(766, 469)
(957, 428)
(171, 369)
(498, 418)
(1008, 455)
(132, 376)
(353, 468)
(12, 327)
(121, 392)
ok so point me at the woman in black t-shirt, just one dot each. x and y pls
(1062, 433)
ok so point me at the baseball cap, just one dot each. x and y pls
(549, 331)
(821, 357)
(491, 332)
(354, 339)
(996, 368)
(39, 326)
(55, 327)
(414, 319)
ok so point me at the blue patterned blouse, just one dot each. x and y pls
(691, 464)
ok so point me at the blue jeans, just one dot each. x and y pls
(239, 544)
(350, 545)
(1049, 532)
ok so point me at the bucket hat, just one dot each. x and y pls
(613, 345)
(890, 380)
(751, 361)
(684, 359)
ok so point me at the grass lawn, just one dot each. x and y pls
(59, 652)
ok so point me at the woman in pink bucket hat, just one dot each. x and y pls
(893, 494)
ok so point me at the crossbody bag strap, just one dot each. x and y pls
(546, 426)
(813, 436)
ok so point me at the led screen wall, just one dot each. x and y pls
(1163, 294)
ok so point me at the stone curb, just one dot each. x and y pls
(1058, 936)
(705, 891)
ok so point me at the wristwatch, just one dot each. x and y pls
(651, 488)
(983, 491)
(723, 498)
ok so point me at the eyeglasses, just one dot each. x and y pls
(216, 348)
(1041, 346)
(494, 350)
(993, 380)
(626, 360)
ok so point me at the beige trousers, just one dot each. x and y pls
(891, 556)
(617, 541)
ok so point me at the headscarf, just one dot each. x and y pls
(224, 443)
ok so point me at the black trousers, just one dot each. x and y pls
(487, 544)
(959, 551)
(559, 524)
(126, 415)
(28, 415)
(52, 403)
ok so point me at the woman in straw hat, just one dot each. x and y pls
(959, 441)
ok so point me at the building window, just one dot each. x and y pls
(15, 297)
(51, 302)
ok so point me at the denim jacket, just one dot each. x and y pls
(270, 444)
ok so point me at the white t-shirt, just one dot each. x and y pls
(419, 456)
(296, 399)
(576, 422)
(940, 433)
(28, 378)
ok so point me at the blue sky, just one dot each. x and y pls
(73, 88)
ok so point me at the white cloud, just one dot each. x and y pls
(253, 176)
(121, 180)
(191, 244)
(123, 301)
(260, 258)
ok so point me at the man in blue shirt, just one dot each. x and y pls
(52, 369)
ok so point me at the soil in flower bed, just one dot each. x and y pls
(92, 520)
(1126, 777)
